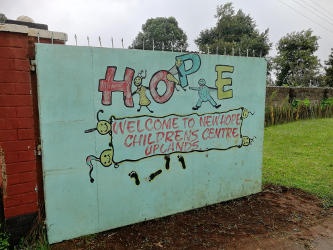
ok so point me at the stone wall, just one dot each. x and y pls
(277, 96)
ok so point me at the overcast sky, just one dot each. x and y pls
(124, 18)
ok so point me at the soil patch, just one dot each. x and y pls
(276, 218)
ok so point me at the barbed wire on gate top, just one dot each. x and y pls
(120, 43)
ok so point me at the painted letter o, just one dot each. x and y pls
(155, 80)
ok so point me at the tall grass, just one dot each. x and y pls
(298, 110)
(36, 238)
(300, 154)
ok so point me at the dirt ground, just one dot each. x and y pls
(276, 218)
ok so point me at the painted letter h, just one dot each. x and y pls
(109, 85)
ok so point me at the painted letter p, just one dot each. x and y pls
(183, 72)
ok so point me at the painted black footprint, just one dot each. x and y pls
(167, 161)
(134, 175)
(153, 175)
(182, 161)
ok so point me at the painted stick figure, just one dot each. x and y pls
(141, 91)
(103, 127)
(204, 95)
(175, 71)
(106, 159)
(246, 141)
(245, 113)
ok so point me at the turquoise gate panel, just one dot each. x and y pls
(131, 135)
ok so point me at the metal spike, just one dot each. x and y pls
(88, 40)
(75, 37)
(100, 41)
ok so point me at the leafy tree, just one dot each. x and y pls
(235, 33)
(161, 33)
(295, 63)
(269, 76)
(329, 70)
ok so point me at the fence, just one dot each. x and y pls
(114, 42)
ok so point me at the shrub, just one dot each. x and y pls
(4, 239)
(298, 110)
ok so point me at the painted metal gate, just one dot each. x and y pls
(131, 135)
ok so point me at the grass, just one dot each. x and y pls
(36, 238)
(300, 154)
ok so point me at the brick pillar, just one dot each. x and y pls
(21, 178)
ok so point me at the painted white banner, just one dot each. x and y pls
(147, 136)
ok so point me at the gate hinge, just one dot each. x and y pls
(32, 65)
(39, 150)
